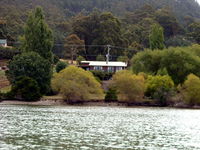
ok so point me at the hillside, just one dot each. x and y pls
(57, 12)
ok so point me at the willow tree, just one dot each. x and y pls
(38, 36)
(156, 38)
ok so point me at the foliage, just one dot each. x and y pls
(79, 59)
(100, 58)
(190, 90)
(73, 45)
(60, 66)
(176, 41)
(8, 53)
(76, 84)
(129, 87)
(123, 59)
(102, 75)
(26, 88)
(31, 65)
(194, 31)
(55, 59)
(179, 62)
(156, 38)
(159, 88)
(111, 95)
(38, 36)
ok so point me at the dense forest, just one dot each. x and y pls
(119, 23)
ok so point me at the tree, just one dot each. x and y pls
(194, 31)
(73, 45)
(156, 38)
(31, 65)
(76, 84)
(100, 58)
(38, 36)
(190, 90)
(179, 62)
(130, 88)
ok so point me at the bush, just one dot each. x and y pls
(129, 87)
(190, 90)
(178, 62)
(60, 66)
(76, 84)
(159, 88)
(102, 75)
(111, 95)
(26, 88)
(31, 65)
(8, 53)
(79, 59)
(55, 59)
(100, 58)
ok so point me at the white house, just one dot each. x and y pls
(3, 42)
(106, 66)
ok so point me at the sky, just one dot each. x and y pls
(198, 1)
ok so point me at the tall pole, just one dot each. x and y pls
(108, 54)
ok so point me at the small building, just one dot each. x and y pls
(106, 66)
(3, 42)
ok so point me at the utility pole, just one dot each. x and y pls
(108, 54)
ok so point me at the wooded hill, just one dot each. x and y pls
(130, 20)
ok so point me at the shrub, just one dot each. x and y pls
(190, 90)
(8, 53)
(79, 59)
(111, 95)
(129, 87)
(31, 65)
(178, 62)
(102, 75)
(159, 88)
(76, 84)
(60, 66)
(55, 59)
(26, 88)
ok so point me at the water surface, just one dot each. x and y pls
(98, 128)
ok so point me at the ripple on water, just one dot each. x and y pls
(95, 128)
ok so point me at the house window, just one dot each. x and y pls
(98, 68)
(111, 69)
(119, 68)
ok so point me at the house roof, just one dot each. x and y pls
(3, 41)
(104, 63)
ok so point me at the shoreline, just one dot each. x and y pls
(58, 102)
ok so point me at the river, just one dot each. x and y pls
(98, 128)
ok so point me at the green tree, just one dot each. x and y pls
(194, 31)
(190, 90)
(76, 84)
(100, 58)
(179, 62)
(31, 65)
(156, 38)
(38, 36)
(73, 45)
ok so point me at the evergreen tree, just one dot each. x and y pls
(38, 36)
(156, 38)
